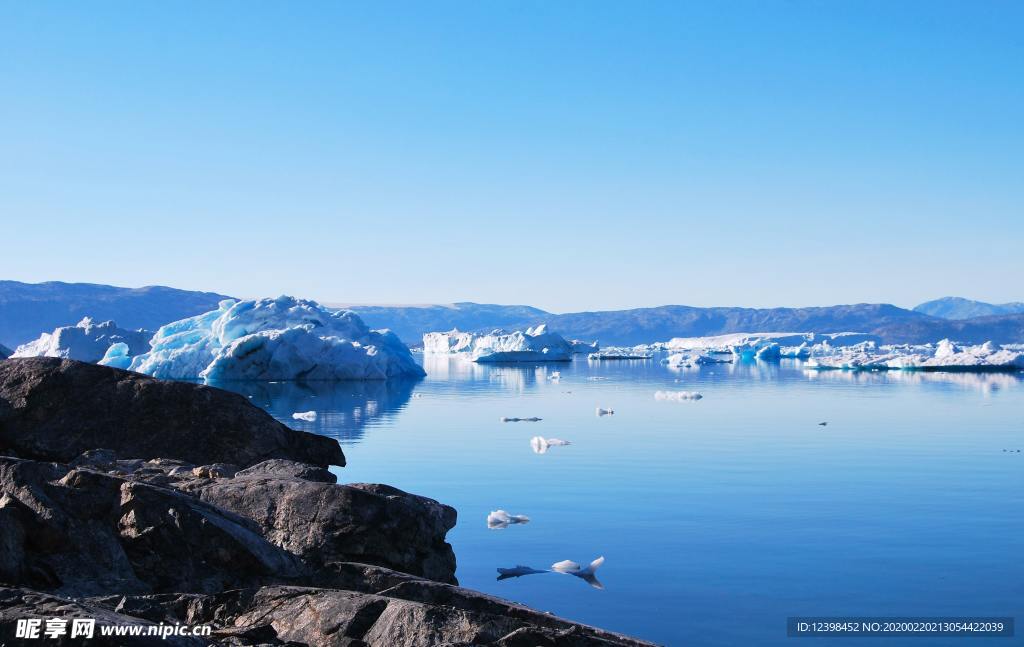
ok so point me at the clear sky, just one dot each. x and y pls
(569, 155)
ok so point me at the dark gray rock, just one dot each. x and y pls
(19, 603)
(54, 409)
(320, 617)
(280, 468)
(93, 533)
(325, 522)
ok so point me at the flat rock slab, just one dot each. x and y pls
(55, 409)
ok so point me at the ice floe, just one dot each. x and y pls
(308, 416)
(536, 344)
(693, 360)
(565, 567)
(541, 444)
(275, 339)
(85, 341)
(499, 519)
(677, 396)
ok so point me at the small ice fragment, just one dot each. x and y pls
(499, 519)
(540, 444)
(677, 396)
(308, 416)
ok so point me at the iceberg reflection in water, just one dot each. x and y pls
(565, 567)
(342, 409)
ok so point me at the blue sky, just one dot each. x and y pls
(569, 155)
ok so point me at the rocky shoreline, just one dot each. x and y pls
(133, 500)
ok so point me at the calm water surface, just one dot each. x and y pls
(720, 517)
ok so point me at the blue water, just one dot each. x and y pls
(718, 518)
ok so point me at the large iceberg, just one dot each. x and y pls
(943, 356)
(85, 341)
(537, 344)
(770, 346)
(275, 339)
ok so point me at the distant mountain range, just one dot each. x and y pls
(640, 325)
(26, 310)
(960, 308)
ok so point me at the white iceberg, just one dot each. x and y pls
(677, 396)
(537, 344)
(583, 347)
(308, 416)
(770, 346)
(275, 339)
(86, 341)
(499, 519)
(943, 356)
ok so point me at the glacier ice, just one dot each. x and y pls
(275, 339)
(537, 344)
(85, 341)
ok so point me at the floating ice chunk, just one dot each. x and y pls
(540, 444)
(584, 348)
(569, 567)
(275, 339)
(688, 360)
(308, 416)
(555, 376)
(620, 354)
(565, 567)
(85, 341)
(118, 355)
(605, 412)
(537, 344)
(499, 519)
(531, 419)
(677, 396)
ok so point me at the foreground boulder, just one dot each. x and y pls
(324, 522)
(53, 409)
